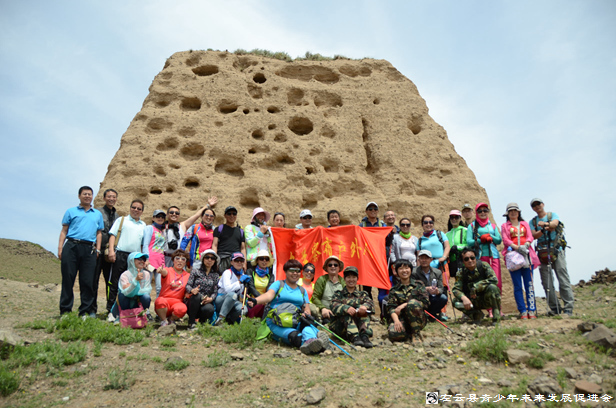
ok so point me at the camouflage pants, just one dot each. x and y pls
(490, 298)
(412, 324)
(350, 326)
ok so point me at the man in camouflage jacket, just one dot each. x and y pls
(406, 304)
(476, 288)
(351, 307)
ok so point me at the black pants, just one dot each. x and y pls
(198, 311)
(119, 267)
(225, 263)
(77, 257)
(103, 267)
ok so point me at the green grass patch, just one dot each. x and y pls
(167, 343)
(52, 353)
(119, 379)
(514, 331)
(243, 334)
(216, 359)
(176, 364)
(9, 380)
(71, 328)
(539, 359)
(490, 345)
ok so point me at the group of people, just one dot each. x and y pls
(221, 273)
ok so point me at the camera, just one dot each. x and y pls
(173, 244)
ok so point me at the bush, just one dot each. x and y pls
(71, 328)
(176, 364)
(216, 359)
(9, 380)
(490, 345)
(119, 379)
(48, 352)
(243, 334)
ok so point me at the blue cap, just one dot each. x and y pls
(139, 255)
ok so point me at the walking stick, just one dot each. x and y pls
(340, 338)
(444, 325)
(335, 344)
(551, 280)
(243, 305)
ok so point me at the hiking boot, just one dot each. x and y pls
(219, 321)
(358, 341)
(311, 346)
(532, 315)
(523, 316)
(192, 327)
(164, 323)
(323, 337)
(295, 338)
(149, 316)
(444, 317)
(110, 317)
(366, 340)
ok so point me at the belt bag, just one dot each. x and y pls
(285, 315)
(542, 252)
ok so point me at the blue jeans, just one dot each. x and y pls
(282, 333)
(131, 302)
(228, 306)
(524, 277)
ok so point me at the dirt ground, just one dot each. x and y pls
(391, 375)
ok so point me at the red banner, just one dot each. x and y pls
(363, 248)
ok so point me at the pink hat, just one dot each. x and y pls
(260, 210)
(481, 205)
(455, 212)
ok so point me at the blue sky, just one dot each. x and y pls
(526, 91)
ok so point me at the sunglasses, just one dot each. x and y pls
(454, 217)
(262, 259)
(428, 222)
(293, 270)
(308, 217)
(232, 214)
(483, 211)
(238, 260)
(535, 204)
(469, 258)
(331, 265)
(210, 258)
(208, 216)
(174, 213)
(403, 225)
(136, 208)
(372, 209)
(180, 258)
(309, 271)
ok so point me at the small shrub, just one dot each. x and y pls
(243, 334)
(217, 359)
(514, 331)
(49, 352)
(9, 380)
(119, 379)
(489, 346)
(176, 364)
(167, 343)
(97, 350)
(157, 359)
(71, 328)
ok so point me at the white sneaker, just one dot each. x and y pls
(111, 318)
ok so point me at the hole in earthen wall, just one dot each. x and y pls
(255, 91)
(259, 78)
(191, 183)
(300, 125)
(249, 198)
(273, 109)
(227, 106)
(205, 70)
(230, 165)
(192, 151)
(169, 143)
(257, 134)
(295, 97)
(190, 104)
(280, 138)
(327, 99)
(160, 171)
(187, 132)
(156, 191)
(271, 126)
(158, 124)
(326, 131)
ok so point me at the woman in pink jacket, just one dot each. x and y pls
(517, 237)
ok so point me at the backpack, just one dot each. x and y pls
(439, 234)
(559, 241)
(477, 246)
(285, 314)
(222, 225)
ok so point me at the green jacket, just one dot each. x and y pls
(319, 288)
(474, 281)
(457, 238)
(343, 300)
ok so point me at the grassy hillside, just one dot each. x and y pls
(27, 262)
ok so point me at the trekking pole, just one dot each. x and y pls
(340, 338)
(444, 325)
(455, 318)
(335, 344)
(551, 280)
(243, 305)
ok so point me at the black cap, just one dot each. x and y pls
(230, 208)
(351, 270)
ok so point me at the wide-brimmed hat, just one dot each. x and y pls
(210, 252)
(511, 206)
(260, 210)
(336, 259)
(261, 254)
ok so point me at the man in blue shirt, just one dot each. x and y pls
(78, 249)
(541, 226)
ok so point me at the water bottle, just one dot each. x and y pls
(433, 283)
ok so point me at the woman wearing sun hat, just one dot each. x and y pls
(327, 285)
(261, 278)
(518, 237)
(456, 234)
(258, 235)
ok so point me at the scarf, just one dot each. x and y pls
(481, 222)
(158, 226)
(262, 272)
(235, 271)
(207, 227)
(427, 234)
(405, 235)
